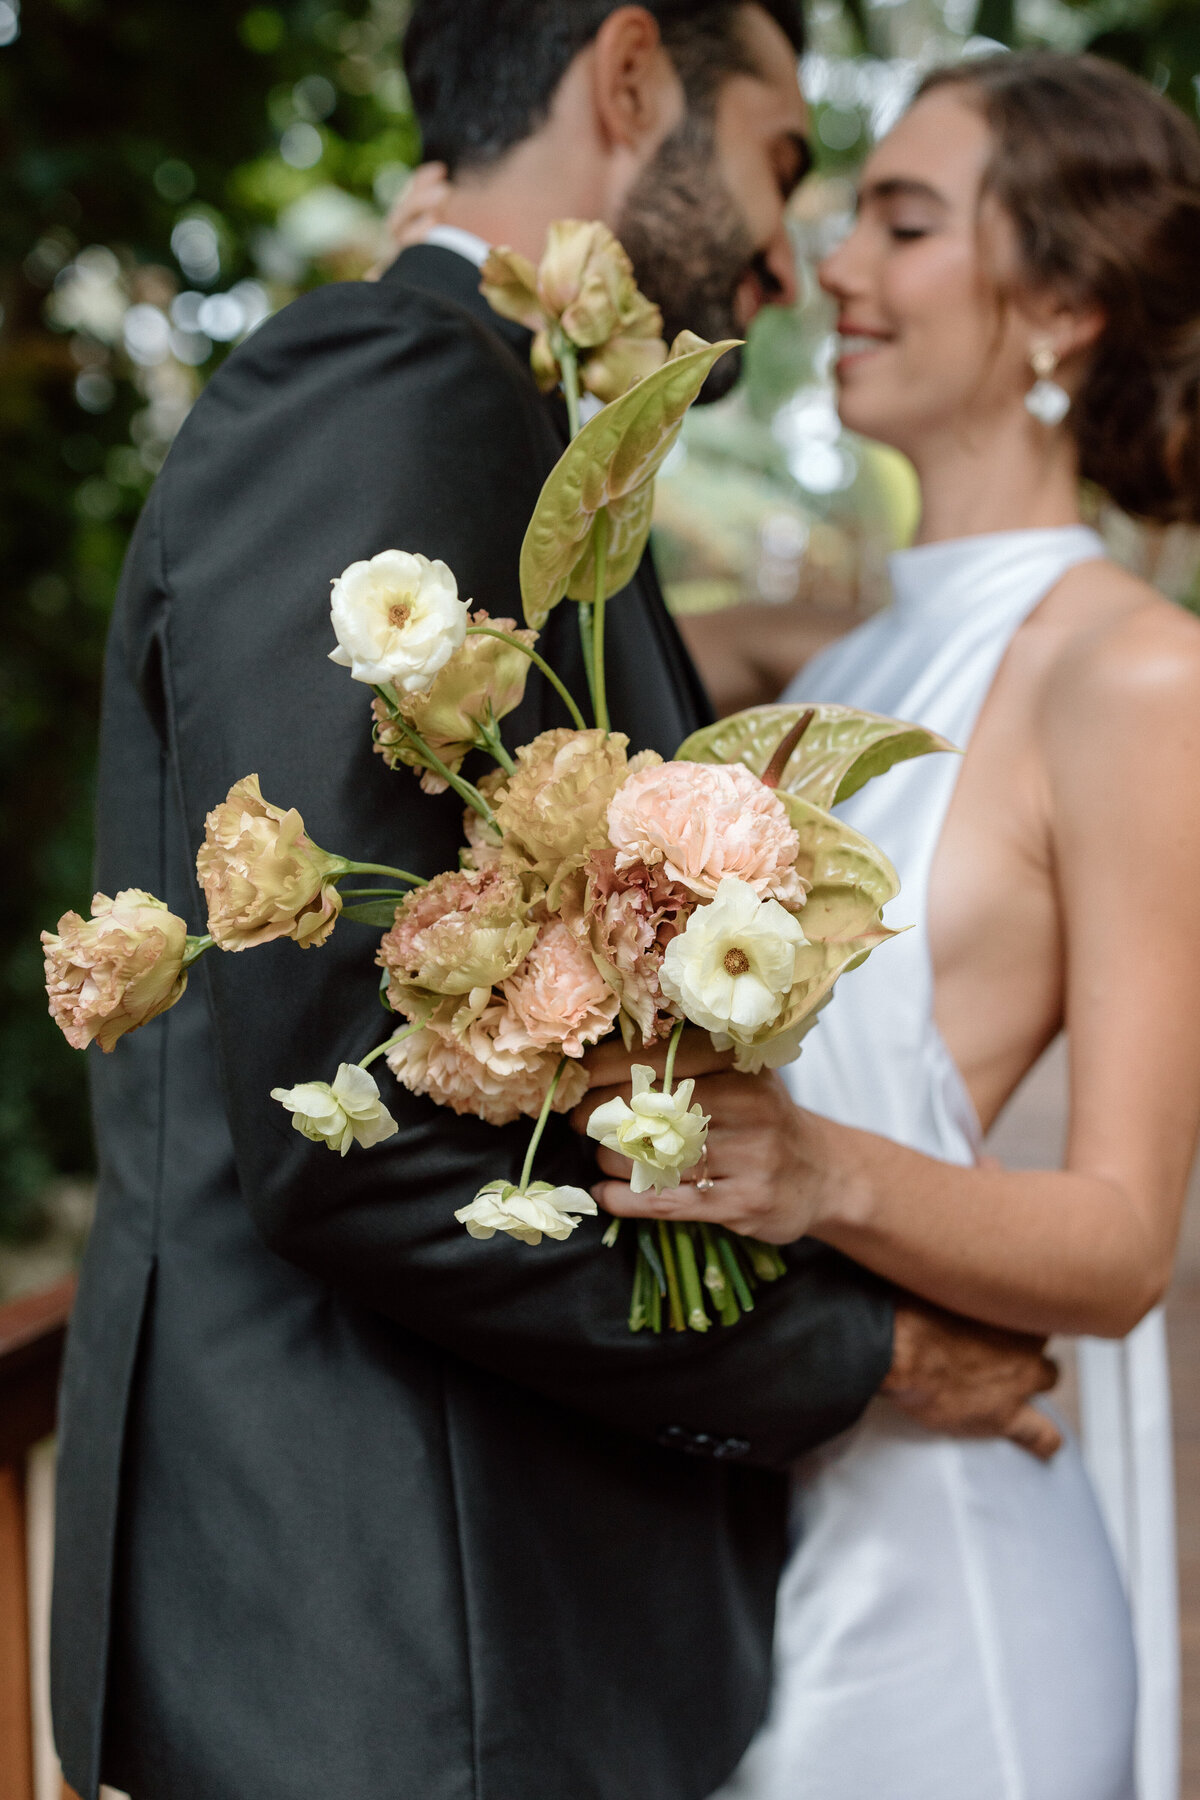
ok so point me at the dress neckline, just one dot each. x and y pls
(934, 578)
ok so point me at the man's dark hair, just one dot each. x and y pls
(484, 72)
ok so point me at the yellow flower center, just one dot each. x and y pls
(736, 961)
(399, 613)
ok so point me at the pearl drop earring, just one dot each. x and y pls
(1047, 400)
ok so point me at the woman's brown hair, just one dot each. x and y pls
(1101, 178)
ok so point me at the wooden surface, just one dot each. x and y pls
(32, 1332)
(16, 1737)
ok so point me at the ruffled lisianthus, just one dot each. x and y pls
(703, 822)
(263, 877)
(115, 971)
(584, 287)
(397, 619)
(462, 931)
(553, 810)
(460, 1062)
(482, 682)
(627, 919)
(558, 996)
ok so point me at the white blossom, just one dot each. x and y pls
(539, 1211)
(397, 619)
(733, 966)
(348, 1112)
(661, 1134)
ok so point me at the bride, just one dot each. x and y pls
(1019, 308)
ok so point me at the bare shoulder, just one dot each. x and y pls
(1124, 655)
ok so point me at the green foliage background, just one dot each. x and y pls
(279, 134)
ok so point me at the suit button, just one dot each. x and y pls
(729, 1449)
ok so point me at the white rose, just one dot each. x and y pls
(349, 1112)
(398, 619)
(540, 1211)
(661, 1134)
(733, 966)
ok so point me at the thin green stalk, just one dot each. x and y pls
(491, 741)
(357, 868)
(461, 786)
(539, 662)
(654, 1296)
(734, 1271)
(728, 1310)
(765, 1259)
(377, 893)
(196, 946)
(638, 1298)
(693, 1293)
(600, 553)
(584, 608)
(382, 1049)
(564, 349)
(672, 1047)
(649, 1251)
(535, 1140)
(674, 1297)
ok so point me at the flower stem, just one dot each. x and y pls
(585, 641)
(196, 946)
(674, 1297)
(357, 868)
(382, 1049)
(489, 739)
(535, 1140)
(539, 662)
(376, 893)
(733, 1269)
(564, 349)
(672, 1047)
(461, 786)
(600, 553)
(685, 1251)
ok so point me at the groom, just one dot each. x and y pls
(351, 1504)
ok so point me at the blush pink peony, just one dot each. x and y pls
(702, 823)
(461, 931)
(627, 919)
(558, 997)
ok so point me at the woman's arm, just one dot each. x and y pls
(747, 654)
(1089, 1248)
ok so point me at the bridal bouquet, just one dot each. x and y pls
(598, 890)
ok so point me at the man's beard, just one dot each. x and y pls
(689, 244)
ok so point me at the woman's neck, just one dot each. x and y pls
(1014, 475)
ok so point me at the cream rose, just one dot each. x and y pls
(115, 971)
(540, 1211)
(733, 966)
(661, 1134)
(263, 878)
(348, 1112)
(397, 619)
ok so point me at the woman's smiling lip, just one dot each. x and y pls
(856, 341)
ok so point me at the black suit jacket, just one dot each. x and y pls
(349, 1502)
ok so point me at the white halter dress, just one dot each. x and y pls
(955, 1619)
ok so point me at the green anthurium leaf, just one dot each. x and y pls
(852, 880)
(841, 750)
(611, 464)
(372, 912)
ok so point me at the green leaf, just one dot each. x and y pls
(611, 464)
(841, 750)
(372, 912)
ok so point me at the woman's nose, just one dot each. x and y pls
(840, 273)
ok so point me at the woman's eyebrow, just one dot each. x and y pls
(901, 187)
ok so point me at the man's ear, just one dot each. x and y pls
(637, 93)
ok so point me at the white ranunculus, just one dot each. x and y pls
(661, 1134)
(540, 1211)
(732, 967)
(348, 1112)
(397, 619)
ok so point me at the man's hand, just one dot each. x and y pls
(954, 1375)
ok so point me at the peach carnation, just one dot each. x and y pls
(627, 919)
(462, 931)
(703, 822)
(553, 810)
(558, 996)
(470, 1073)
(263, 877)
(115, 971)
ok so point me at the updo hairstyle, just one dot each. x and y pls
(1100, 176)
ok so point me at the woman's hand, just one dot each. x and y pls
(417, 208)
(761, 1158)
